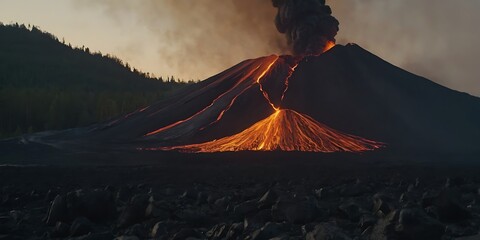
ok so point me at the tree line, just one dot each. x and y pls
(46, 84)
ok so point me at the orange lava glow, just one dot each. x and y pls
(258, 79)
(259, 72)
(284, 130)
(287, 81)
(330, 45)
(265, 93)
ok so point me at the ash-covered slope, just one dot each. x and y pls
(347, 90)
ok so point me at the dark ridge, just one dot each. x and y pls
(46, 84)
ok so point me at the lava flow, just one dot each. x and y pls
(284, 130)
(330, 45)
(252, 77)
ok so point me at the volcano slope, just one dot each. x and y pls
(348, 96)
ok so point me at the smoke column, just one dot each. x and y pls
(308, 25)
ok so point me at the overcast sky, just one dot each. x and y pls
(193, 39)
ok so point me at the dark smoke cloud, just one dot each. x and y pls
(195, 39)
(308, 25)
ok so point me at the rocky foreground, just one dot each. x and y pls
(141, 203)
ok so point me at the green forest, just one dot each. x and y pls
(46, 84)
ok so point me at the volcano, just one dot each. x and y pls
(345, 99)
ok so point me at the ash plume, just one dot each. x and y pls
(308, 25)
(195, 39)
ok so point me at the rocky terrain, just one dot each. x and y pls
(240, 199)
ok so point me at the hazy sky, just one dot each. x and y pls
(193, 39)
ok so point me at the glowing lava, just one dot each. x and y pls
(330, 45)
(252, 77)
(285, 130)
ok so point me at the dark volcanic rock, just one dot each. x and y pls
(268, 199)
(354, 190)
(416, 224)
(382, 204)
(448, 205)
(81, 226)
(97, 205)
(137, 230)
(158, 230)
(218, 231)
(385, 227)
(124, 194)
(60, 230)
(295, 210)
(221, 203)
(351, 211)
(245, 208)
(194, 216)
(235, 230)
(186, 233)
(476, 237)
(366, 221)
(58, 210)
(301, 212)
(191, 194)
(287, 211)
(408, 224)
(134, 212)
(326, 231)
(154, 210)
(268, 231)
(126, 237)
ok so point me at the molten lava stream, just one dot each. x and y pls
(285, 130)
(257, 80)
(330, 45)
(287, 81)
(264, 67)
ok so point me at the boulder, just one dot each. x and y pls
(98, 205)
(81, 226)
(58, 210)
(246, 208)
(218, 231)
(350, 210)
(134, 212)
(267, 200)
(268, 231)
(137, 230)
(186, 233)
(235, 230)
(159, 230)
(60, 230)
(414, 223)
(448, 205)
(326, 231)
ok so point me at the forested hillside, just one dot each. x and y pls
(46, 84)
